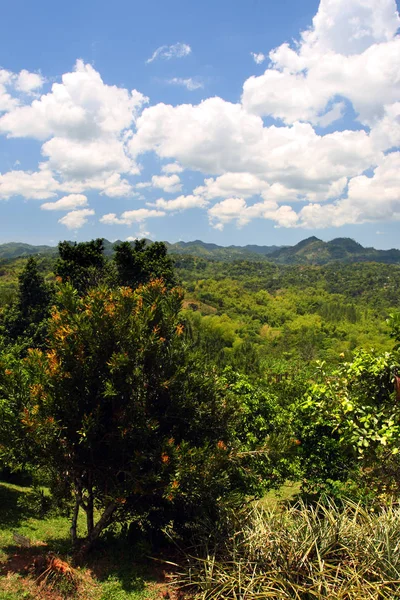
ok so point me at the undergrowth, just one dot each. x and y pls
(302, 552)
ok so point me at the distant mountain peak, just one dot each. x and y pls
(304, 243)
(348, 243)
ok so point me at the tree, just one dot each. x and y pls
(140, 263)
(350, 425)
(82, 264)
(26, 319)
(119, 414)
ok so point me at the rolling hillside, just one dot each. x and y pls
(311, 251)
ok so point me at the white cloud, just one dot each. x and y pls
(82, 107)
(80, 159)
(168, 183)
(386, 133)
(334, 114)
(66, 203)
(85, 124)
(76, 218)
(236, 210)
(180, 203)
(352, 27)
(39, 185)
(131, 216)
(172, 168)
(218, 137)
(93, 134)
(351, 51)
(258, 57)
(178, 50)
(142, 233)
(369, 199)
(112, 186)
(226, 211)
(7, 102)
(232, 184)
(116, 187)
(11, 84)
(28, 82)
(190, 83)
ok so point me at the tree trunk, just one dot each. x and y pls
(96, 531)
(89, 508)
(75, 514)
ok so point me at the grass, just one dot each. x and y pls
(272, 551)
(111, 573)
(284, 494)
(303, 553)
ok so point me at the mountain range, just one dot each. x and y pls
(311, 251)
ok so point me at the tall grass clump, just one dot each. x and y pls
(303, 552)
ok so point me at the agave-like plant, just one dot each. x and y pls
(304, 552)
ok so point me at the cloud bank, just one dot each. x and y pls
(329, 154)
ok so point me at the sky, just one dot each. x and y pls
(257, 122)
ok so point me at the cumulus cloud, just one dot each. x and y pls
(142, 233)
(143, 185)
(237, 210)
(286, 169)
(352, 27)
(386, 133)
(76, 159)
(172, 168)
(131, 216)
(82, 107)
(38, 185)
(116, 187)
(12, 83)
(369, 199)
(352, 51)
(84, 125)
(219, 137)
(168, 183)
(7, 102)
(230, 184)
(180, 203)
(66, 203)
(76, 218)
(226, 211)
(258, 57)
(178, 50)
(28, 82)
(190, 83)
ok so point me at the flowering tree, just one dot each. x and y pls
(119, 414)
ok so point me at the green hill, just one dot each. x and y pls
(311, 251)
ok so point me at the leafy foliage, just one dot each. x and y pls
(82, 264)
(117, 410)
(140, 263)
(350, 424)
(25, 321)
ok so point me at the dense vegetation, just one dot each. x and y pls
(309, 251)
(155, 392)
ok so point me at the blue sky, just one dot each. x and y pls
(233, 122)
